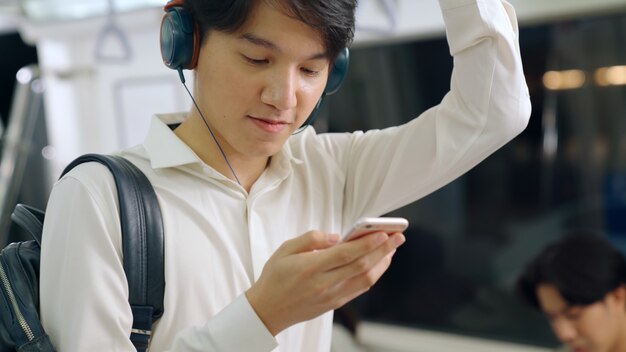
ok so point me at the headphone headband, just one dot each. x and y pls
(173, 3)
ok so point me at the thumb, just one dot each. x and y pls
(310, 241)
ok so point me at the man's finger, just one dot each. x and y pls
(310, 241)
(348, 252)
(365, 262)
(357, 285)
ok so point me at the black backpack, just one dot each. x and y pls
(142, 238)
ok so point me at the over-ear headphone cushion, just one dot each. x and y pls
(338, 73)
(179, 39)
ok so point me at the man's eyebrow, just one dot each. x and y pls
(256, 40)
(249, 37)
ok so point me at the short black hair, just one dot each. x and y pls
(583, 267)
(334, 19)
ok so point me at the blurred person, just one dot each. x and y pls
(579, 283)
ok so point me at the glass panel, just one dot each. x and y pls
(468, 242)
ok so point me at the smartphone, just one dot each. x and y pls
(366, 226)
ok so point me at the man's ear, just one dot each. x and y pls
(619, 295)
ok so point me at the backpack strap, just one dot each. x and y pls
(142, 239)
(30, 219)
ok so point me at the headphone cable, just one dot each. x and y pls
(182, 79)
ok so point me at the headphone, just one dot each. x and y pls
(180, 46)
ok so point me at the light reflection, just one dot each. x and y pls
(574, 79)
(561, 80)
(611, 76)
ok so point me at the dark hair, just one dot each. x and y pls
(582, 267)
(334, 19)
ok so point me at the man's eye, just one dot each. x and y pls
(310, 72)
(573, 313)
(255, 61)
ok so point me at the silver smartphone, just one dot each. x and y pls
(366, 226)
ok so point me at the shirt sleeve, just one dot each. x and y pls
(488, 104)
(236, 328)
(84, 292)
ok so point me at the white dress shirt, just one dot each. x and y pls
(218, 237)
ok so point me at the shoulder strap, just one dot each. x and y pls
(142, 239)
(30, 219)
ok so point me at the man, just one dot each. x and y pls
(251, 209)
(579, 283)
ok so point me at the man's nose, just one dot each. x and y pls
(280, 90)
(564, 330)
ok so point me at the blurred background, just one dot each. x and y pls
(86, 76)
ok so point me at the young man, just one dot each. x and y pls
(579, 282)
(252, 211)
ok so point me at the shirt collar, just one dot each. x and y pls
(165, 149)
(163, 146)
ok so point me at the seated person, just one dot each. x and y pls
(579, 283)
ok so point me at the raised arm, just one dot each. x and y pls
(488, 104)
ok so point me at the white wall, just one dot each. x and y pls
(102, 105)
(9, 16)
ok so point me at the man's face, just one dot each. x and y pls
(256, 86)
(598, 327)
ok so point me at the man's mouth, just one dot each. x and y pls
(269, 125)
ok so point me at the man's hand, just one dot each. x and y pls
(312, 274)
